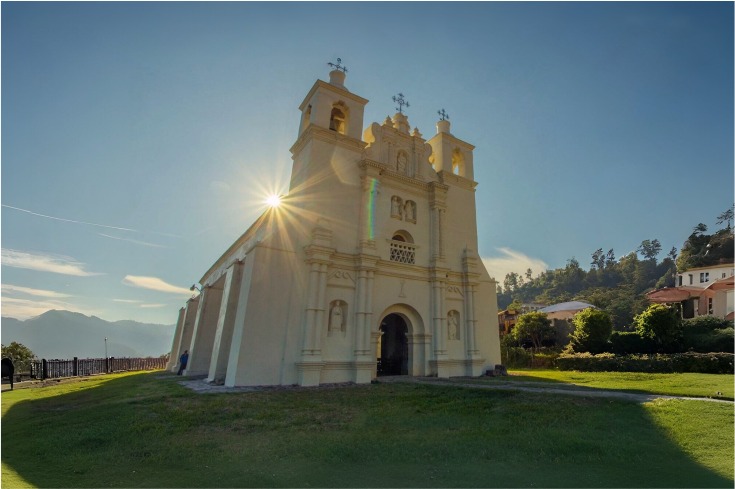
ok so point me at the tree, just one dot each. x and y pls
(650, 249)
(515, 306)
(726, 217)
(700, 228)
(592, 329)
(533, 326)
(660, 324)
(511, 282)
(21, 355)
(529, 274)
(610, 258)
(598, 259)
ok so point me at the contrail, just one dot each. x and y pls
(90, 223)
(134, 241)
(70, 220)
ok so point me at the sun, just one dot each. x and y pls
(273, 200)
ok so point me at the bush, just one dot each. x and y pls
(517, 357)
(627, 342)
(705, 324)
(592, 328)
(717, 340)
(662, 325)
(705, 363)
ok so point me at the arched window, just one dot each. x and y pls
(457, 162)
(338, 119)
(402, 249)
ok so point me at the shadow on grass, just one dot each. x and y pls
(527, 376)
(146, 430)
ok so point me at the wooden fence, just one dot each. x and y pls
(79, 367)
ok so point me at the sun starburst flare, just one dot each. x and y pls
(273, 200)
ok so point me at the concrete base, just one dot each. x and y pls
(310, 373)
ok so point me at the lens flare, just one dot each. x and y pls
(273, 200)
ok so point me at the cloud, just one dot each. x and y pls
(127, 301)
(24, 309)
(134, 241)
(512, 261)
(148, 306)
(17, 289)
(155, 283)
(44, 263)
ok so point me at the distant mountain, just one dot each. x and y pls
(64, 334)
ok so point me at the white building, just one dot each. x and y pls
(369, 267)
(701, 291)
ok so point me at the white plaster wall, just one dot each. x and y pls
(270, 341)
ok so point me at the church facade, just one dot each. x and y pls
(368, 267)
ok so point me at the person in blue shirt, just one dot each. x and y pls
(183, 361)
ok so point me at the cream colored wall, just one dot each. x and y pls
(328, 192)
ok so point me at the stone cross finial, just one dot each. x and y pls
(444, 115)
(338, 66)
(401, 102)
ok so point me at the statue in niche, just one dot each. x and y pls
(410, 210)
(453, 320)
(402, 165)
(337, 317)
(396, 207)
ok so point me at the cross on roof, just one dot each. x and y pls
(401, 102)
(338, 65)
(443, 114)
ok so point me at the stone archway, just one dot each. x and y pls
(393, 346)
(415, 347)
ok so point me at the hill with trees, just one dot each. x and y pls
(618, 285)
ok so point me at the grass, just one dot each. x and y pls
(145, 430)
(687, 384)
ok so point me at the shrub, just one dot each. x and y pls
(662, 325)
(592, 328)
(717, 340)
(517, 357)
(706, 363)
(533, 326)
(706, 323)
(627, 342)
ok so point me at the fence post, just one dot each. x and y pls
(75, 368)
(107, 365)
(44, 369)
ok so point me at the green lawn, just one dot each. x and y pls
(145, 430)
(688, 385)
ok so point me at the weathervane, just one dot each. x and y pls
(443, 114)
(338, 66)
(401, 102)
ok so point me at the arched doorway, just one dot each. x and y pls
(393, 346)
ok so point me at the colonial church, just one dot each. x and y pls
(369, 266)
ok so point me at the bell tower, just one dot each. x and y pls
(331, 115)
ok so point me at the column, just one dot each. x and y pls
(311, 309)
(173, 357)
(190, 315)
(225, 323)
(200, 355)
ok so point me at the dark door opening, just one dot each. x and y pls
(393, 347)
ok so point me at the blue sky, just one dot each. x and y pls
(139, 139)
